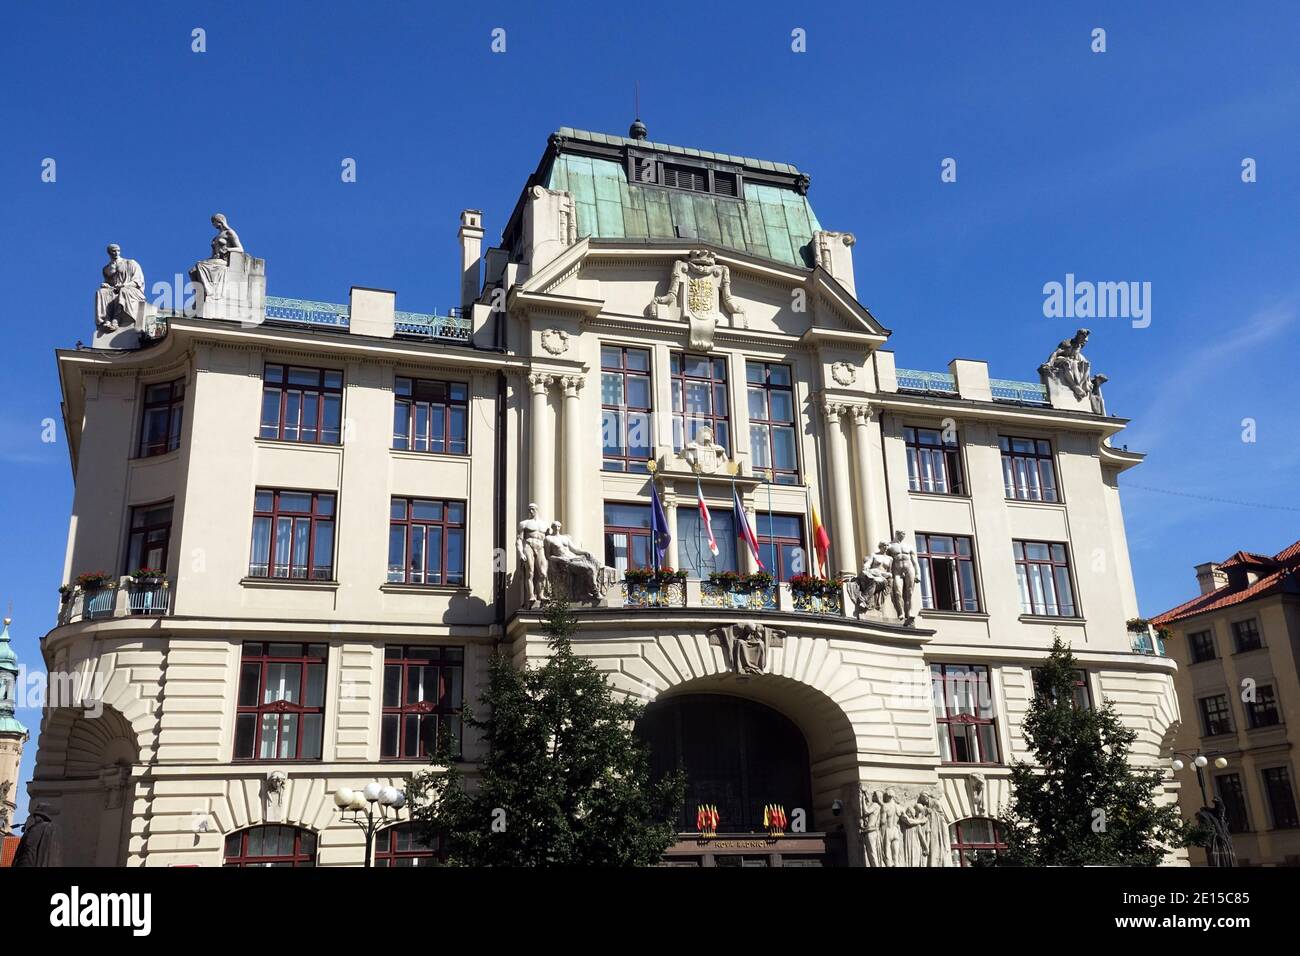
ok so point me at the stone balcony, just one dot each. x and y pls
(691, 593)
(125, 598)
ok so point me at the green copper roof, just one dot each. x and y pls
(8, 665)
(771, 222)
(8, 659)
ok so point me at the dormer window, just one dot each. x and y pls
(650, 171)
(685, 177)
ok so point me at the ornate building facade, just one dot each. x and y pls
(319, 521)
(13, 735)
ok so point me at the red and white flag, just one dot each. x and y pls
(704, 517)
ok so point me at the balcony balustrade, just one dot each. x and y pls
(737, 596)
(125, 598)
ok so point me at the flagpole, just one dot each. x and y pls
(771, 528)
(651, 466)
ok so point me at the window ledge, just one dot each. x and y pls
(1253, 650)
(394, 587)
(251, 582)
(291, 443)
(159, 457)
(426, 455)
(1049, 619)
(1031, 503)
(955, 615)
(959, 496)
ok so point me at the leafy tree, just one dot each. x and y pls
(565, 781)
(1082, 803)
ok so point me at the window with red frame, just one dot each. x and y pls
(780, 544)
(772, 443)
(1043, 572)
(281, 704)
(426, 541)
(293, 535)
(625, 408)
(423, 687)
(963, 710)
(302, 404)
(150, 534)
(947, 572)
(1080, 693)
(160, 425)
(431, 416)
(271, 846)
(933, 464)
(975, 842)
(627, 537)
(401, 845)
(1027, 470)
(699, 389)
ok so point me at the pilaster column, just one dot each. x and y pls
(541, 447)
(573, 456)
(672, 555)
(866, 494)
(841, 531)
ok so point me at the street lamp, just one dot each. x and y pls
(361, 805)
(1213, 816)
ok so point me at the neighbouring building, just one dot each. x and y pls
(300, 530)
(13, 735)
(1237, 644)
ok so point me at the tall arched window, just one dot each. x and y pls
(976, 841)
(271, 846)
(401, 845)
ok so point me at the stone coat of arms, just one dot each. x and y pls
(699, 291)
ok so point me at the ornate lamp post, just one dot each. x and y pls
(1214, 815)
(361, 805)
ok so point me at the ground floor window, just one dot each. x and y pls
(1281, 798)
(401, 845)
(975, 842)
(271, 846)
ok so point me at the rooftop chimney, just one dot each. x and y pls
(1210, 578)
(471, 245)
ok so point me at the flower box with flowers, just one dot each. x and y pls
(817, 595)
(756, 591)
(148, 577)
(650, 587)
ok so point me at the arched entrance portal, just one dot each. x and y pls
(740, 756)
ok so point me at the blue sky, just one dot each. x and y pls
(1115, 166)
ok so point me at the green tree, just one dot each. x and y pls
(565, 781)
(1081, 802)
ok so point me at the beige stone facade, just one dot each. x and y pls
(1238, 682)
(156, 781)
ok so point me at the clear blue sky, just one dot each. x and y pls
(1123, 165)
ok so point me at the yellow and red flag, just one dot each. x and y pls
(821, 540)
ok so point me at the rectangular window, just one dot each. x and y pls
(693, 541)
(426, 541)
(281, 708)
(151, 530)
(302, 404)
(771, 421)
(963, 710)
(933, 465)
(423, 690)
(947, 573)
(1263, 711)
(1281, 798)
(160, 426)
(627, 537)
(699, 387)
(1027, 470)
(1201, 646)
(1246, 636)
(625, 408)
(1216, 717)
(1229, 788)
(1080, 693)
(430, 416)
(1043, 570)
(780, 544)
(293, 535)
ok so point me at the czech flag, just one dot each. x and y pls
(704, 517)
(821, 540)
(743, 530)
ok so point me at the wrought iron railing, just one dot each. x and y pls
(741, 596)
(454, 326)
(1026, 393)
(1147, 642)
(149, 599)
(915, 380)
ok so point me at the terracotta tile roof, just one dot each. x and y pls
(1278, 574)
(8, 850)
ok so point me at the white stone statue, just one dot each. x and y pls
(530, 544)
(906, 571)
(868, 590)
(871, 804)
(700, 288)
(977, 787)
(703, 455)
(572, 570)
(1068, 367)
(906, 828)
(891, 829)
(746, 645)
(230, 284)
(120, 300)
